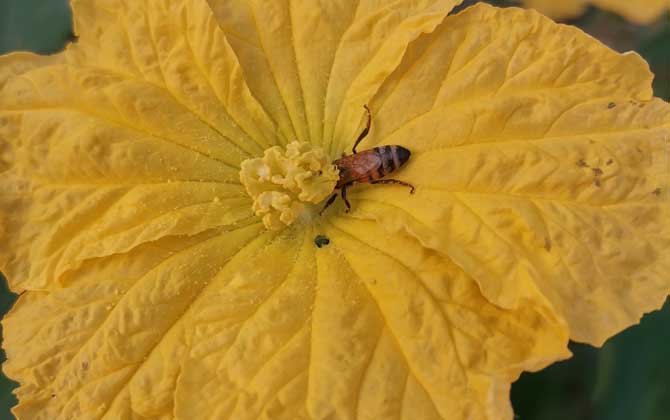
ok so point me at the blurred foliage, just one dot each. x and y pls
(628, 379)
(42, 26)
(657, 52)
(7, 399)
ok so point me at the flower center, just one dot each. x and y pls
(282, 181)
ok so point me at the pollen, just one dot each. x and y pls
(285, 182)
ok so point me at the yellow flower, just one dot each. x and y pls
(151, 288)
(639, 11)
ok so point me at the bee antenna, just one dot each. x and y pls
(366, 130)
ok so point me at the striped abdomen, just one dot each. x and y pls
(370, 165)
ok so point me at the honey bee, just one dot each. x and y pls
(368, 166)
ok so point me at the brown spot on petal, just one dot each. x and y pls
(597, 173)
(612, 105)
(657, 192)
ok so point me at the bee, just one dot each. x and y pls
(368, 166)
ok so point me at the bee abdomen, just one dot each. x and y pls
(392, 157)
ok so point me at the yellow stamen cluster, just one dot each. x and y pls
(282, 181)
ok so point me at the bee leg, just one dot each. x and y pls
(344, 197)
(328, 203)
(394, 181)
(366, 130)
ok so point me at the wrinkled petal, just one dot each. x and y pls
(252, 325)
(639, 11)
(540, 161)
(458, 351)
(11, 66)
(17, 63)
(109, 343)
(178, 49)
(314, 64)
(129, 136)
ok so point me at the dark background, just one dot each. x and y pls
(628, 379)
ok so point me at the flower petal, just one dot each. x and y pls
(11, 66)
(553, 173)
(220, 325)
(129, 136)
(354, 332)
(179, 50)
(17, 63)
(108, 342)
(250, 333)
(439, 318)
(306, 62)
